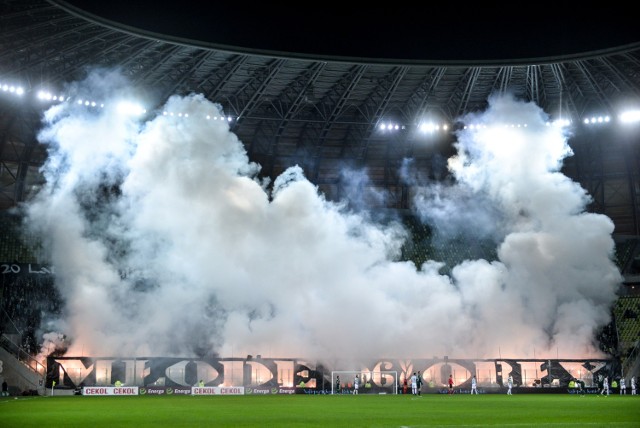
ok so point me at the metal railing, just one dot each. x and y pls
(22, 356)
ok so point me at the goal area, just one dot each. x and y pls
(371, 382)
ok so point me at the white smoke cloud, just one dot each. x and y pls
(166, 241)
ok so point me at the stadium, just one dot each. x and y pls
(210, 217)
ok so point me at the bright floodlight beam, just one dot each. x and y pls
(631, 116)
(130, 108)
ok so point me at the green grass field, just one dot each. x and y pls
(489, 410)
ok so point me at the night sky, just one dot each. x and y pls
(456, 32)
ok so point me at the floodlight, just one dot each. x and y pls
(130, 108)
(631, 116)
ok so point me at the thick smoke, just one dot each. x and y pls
(166, 242)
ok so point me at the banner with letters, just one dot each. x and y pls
(217, 390)
(110, 390)
(254, 376)
(164, 390)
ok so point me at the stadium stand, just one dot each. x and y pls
(625, 251)
(627, 319)
(423, 246)
(17, 244)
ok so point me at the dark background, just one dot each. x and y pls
(450, 31)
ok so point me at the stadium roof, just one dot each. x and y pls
(323, 109)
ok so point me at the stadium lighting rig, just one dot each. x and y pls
(128, 108)
(386, 127)
(596, 120)
(560, 123)
(12, 89)
(207, 117)
(48, 96)
(432, 128)
(391, 126)
(627, 117)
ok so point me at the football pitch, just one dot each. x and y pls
(487, 410)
